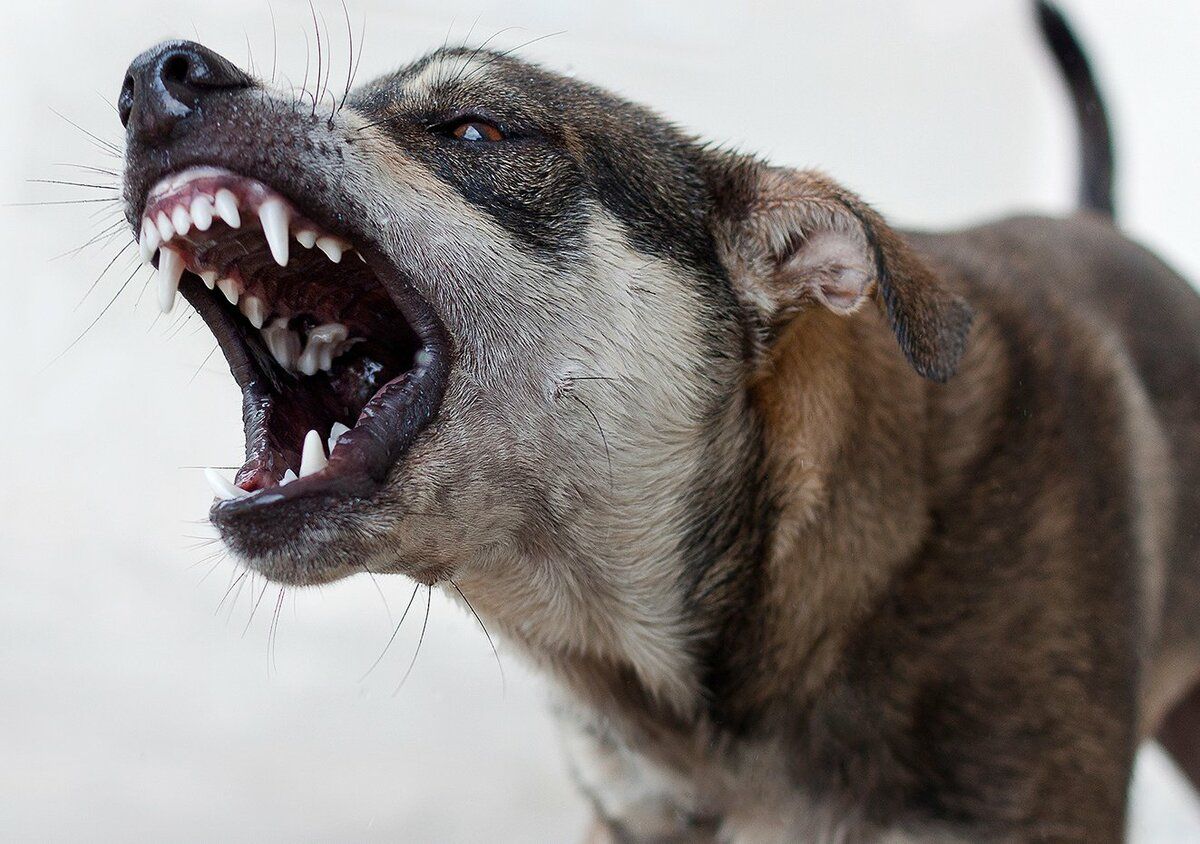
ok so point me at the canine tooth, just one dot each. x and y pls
(222, 487)
(170, 270)
(209, 277)
(287, 478)
(227, 207)
(255, 310)
(229, 287)
(164, 227)
(202, 212)
(360, 257)
(332, 247)
(335, 433)
(274, 218)
(181, 220)
(282, 343)
(312, 457)
(306, 238)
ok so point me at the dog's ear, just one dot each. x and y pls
(795, 239)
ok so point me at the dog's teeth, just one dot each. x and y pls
(323, 341)
(255, 310)
(165, 231)
(209, 277)
(287, 478)
(332, 247)
(335, 433)
(306, 238)
(312, 457)
(229, 287)
(360, 257)
(282, 343)
(222, 487)
(181, 220)
(149, 240)
(202, 212)
(227, 208)
(170, 270)
(274, 218)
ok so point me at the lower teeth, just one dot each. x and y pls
(312, 460)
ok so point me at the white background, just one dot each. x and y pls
(130, 706)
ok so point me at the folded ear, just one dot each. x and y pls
(795, 239)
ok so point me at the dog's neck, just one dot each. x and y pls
(841, 423)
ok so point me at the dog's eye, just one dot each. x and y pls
(474, 129)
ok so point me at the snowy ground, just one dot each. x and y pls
(134, 704)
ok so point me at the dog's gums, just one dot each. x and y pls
(323, 353)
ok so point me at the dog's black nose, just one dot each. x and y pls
(167, 82)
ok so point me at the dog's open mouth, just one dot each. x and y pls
(340, 362)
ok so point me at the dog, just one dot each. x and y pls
(825, 531)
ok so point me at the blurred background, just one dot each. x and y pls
(140, 698)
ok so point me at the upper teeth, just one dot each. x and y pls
(274, 218)
(175, 220)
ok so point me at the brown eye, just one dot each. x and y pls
(476, 130)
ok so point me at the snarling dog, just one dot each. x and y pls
(825, 530)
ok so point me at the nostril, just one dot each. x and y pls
(125, 99)
(176, 68)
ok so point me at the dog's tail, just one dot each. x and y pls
(1095, 137)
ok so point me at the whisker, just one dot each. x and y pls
(378, 589)
(503, 682)
(87, 167)
(103, 273)
(73, 184)
(61, 202)
(224, 597)
(261, 592)
(273, 634)
(106, 145)
(603, 439)
(99, 316)
(420, 641)
(395, 631)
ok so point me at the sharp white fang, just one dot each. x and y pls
(227, 207)
(170, 270)
(202, 212)
(274, 217)
(164, 227)
(181, 220)
(332, 248)
(209, 277)
(255, 310)
(306, 238)
(223, 488)
(287, 478)
(312, 458)
(335, 433)
(229, 287)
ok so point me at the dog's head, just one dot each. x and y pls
(522, 311)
